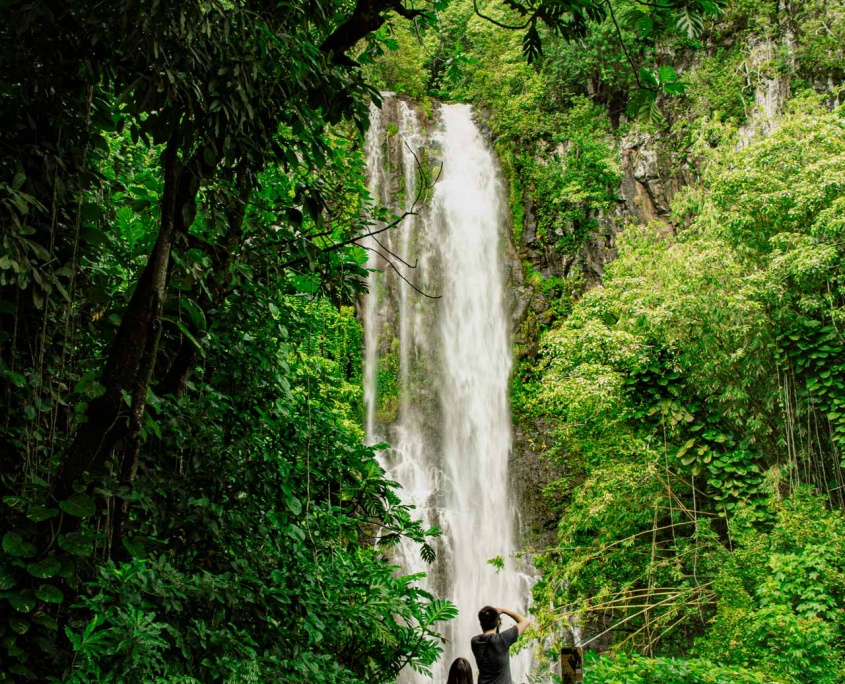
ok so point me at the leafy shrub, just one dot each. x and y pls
(634, 669)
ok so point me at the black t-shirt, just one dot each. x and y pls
(492, 657)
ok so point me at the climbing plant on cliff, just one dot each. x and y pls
(693, 410)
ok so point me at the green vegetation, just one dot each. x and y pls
(693, 407)
(185, 492)
(691, 403)
(633, 669)
(559, 154)
(387, 379)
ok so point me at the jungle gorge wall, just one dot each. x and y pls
(748, 72)
(653, 386)
(579, 169)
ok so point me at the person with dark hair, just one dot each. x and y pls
(460, 672)
(492, 649)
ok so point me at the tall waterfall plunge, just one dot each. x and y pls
(436, 370)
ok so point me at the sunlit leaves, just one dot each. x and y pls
(621, 667)
(653, 82)
(439, 610)
(735, 324)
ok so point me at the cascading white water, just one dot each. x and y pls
(409, 130)
(451, 431)
(374, 165)
(476, 363)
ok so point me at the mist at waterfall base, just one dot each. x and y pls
(448, 360)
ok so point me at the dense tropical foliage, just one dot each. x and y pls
(708, 505)
(687, 393)
(186, 496)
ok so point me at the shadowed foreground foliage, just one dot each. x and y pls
(185, 493)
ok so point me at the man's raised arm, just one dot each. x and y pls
(522, 622)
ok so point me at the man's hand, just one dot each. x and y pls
(522, 622)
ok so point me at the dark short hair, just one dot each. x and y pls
(488, 617)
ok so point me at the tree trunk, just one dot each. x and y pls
(222, 259)
(129, 366)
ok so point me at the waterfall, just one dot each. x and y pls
(371, 330)
(443, 364)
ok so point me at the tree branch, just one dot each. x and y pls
(399, 273)
(367, 17)
(337, 245)
(394, 255)
(623, 46)
(498, 23)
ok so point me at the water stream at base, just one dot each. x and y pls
(449, 421)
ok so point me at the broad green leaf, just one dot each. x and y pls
(93, 236)
(7, 578)
(79, 505)
(17, 546)
(666, 74)
(187, 333)
(655, 115)
(189, 213)
(45, 621)
(306, 283)
(648, 79)
(195, 312)
(690, 22)
(686, 447)
(23, 601)
(294, 505)
(76, 544)
(677, 88)
(427, 553)
(39, 513)
(17, 502)
(49, 593)
(49, 567)
(18, 624)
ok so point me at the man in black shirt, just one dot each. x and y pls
(491, 649)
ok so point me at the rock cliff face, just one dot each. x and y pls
(651, 178)
(653, 170)
(651, 175)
